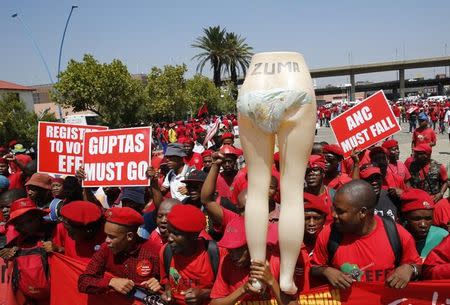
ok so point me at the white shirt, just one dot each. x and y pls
(173, 182)
(198, 148)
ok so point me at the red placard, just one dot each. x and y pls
(365, 124)
(60, 147)
(117, 157)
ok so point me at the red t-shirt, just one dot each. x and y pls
(399, 169)
(369, 252)
(393, 181)
(155, 238)
(82, 251)
(437, 263)
(194, 160)
(186, 272)
(441, 214)
(15, 181)
(223, 189)
(426, 135)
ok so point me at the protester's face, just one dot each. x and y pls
(331, 163)
(28, 223)
(4, 169)
(179, 241)
(314, 222)
(207, 163)
(314, 177)
(38, 195)
(229, 163)
(118, 238)
(240, 256)
(423, 123)
(4, 208)
(161, 219)
(421, 157)
(112, 192)
(273, 188)
(419, 223)
(194, 189)
(346, 216)
(188, 147)
(75, 232)
(174, 162)
(57, 189)
(375, 181)
(394, 153)
(380, 160)
(228, 141)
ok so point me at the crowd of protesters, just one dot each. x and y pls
(369, 218)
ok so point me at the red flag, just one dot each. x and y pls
(202, 111)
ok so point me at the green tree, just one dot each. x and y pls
(18, 123)
(237, 57)
(212, 44)
(105, 89)
(226, 52)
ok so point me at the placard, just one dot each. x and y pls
(60, 147)
(117, 157)
(365, 124)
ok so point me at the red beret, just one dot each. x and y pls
(207, 153)
(276, 156)
(124, 216)
(228, 150)
(369, 171)
(81, 212)
(187, 218)
(389, 144)
(416, 199)
(227, 135)
(333, 149)
(316, 161)
(423, 148)
(313, 202)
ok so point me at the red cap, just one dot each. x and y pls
(227, 135)
(423, 148)
(313, 202)
(369, 171)
(228, 150)
(389, 144)
(276, 156)
(41, 180)
(234, 235)
(333, 149)
(124, 216)
(81, 212)
(22, 206)
(316, 161)
(207, 153)
(416, 199)
(187, 218)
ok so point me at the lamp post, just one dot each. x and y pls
(60, 53)
(27, 29)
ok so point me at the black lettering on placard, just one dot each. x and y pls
(257, 66)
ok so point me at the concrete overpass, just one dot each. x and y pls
(400, 66)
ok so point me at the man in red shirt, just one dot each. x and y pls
(333, 177)
(362, 252)
(128, 259)
(437, 264)
(192, 158)
(378, 158)
(207, 160)
(441, 215)
(423, 133)
(316, 214)
(190, 276)
(395, 166)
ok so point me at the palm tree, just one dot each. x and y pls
(213, 45)
(237, 56)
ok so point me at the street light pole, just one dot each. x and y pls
(60, 53)
(28, 31)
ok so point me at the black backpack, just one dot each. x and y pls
(391, 231)
(213, 254)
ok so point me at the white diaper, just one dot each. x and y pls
(267, 107)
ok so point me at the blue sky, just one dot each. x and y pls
(146, 33)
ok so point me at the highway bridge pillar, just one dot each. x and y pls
(402, 82)
(352, 88)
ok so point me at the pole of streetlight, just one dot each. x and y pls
(28, 31)
(60, 53)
